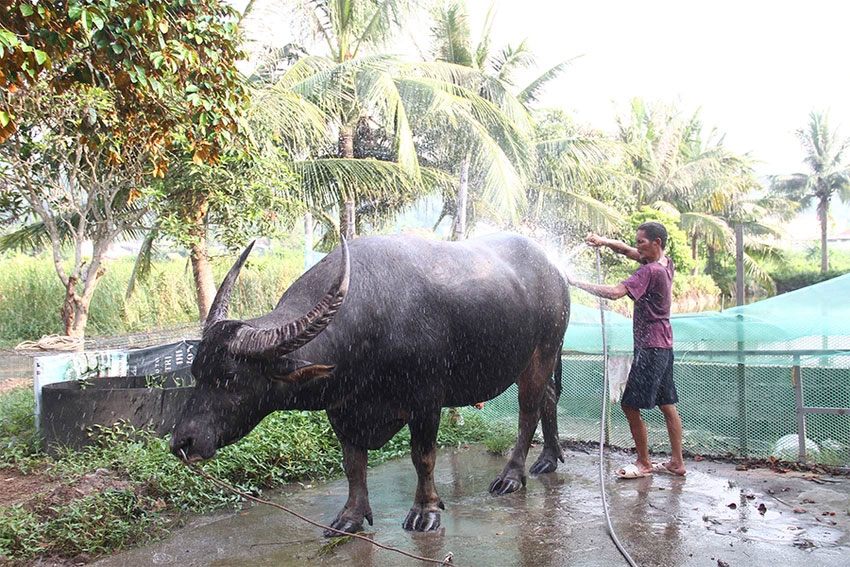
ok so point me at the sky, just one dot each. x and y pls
(754, 69)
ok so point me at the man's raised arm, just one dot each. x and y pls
(617, 246)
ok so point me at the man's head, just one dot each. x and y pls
(651, 240)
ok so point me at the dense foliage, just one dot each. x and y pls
(169, 63)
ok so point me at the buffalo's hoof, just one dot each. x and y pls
(419, 520)
(505, 484)
(344, 524)
(547, 462)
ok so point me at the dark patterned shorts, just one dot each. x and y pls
(650, 381)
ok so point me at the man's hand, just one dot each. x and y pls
(594, 240)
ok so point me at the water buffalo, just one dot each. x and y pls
(383, 333)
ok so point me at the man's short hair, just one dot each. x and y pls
(655, 230)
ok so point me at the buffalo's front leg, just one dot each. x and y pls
(350, 518)
(532, 384)
(424, 515)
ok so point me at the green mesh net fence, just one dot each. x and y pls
(767, 379)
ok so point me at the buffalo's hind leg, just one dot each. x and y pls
(532, 387)
(548, 459)
(424, 515)
(350, 518)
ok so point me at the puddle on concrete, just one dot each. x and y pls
(555, 521)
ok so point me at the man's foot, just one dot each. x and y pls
(669, 468)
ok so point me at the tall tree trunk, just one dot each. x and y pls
(202, 272)
(347, 218)
(739, 264)
(308, 239)
(709, 262)
(75, 308)
(823, 210)
(459, 224)
(694, 254)
(69, 308)
(200, 259)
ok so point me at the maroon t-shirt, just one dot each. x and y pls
(651, 289)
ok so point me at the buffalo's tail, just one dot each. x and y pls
(558, 376)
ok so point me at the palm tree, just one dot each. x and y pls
(349, 86)
(709, 189)
(363, 98)
(576, 184)
(829, 177)
(474, 66)
(569, 167)
(667, 156)
(677, 169)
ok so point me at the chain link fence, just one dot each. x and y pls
(726, 409)
(768, 379)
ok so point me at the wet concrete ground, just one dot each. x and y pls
(715, 516)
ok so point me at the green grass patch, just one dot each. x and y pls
(500, 439)
(19, 443)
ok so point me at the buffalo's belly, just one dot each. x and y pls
(457, 380)
(367, 425)
(467, 386)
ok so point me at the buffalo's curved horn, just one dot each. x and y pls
(218, 310)
(279, 341)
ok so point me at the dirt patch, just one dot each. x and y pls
(101, 480)
(13, 383)
(38, 490)
(17, 488)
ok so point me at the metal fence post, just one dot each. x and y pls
(742, 388)
(740, 289)
(797, 381)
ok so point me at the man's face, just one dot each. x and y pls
(648, 249)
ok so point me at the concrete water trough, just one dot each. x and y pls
(71, 410)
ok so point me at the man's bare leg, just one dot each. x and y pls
(676, 464)
(638, 428)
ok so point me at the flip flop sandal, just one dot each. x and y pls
(631, 471)
(660, 468)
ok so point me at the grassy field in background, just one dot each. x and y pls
(31, 294)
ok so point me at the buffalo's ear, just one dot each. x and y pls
(305, 374)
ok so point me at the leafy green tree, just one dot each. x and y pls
(577, 185)
(144, 53)
(699, 182)
(349, 86)
(559, 168)
(489, 76)
(96, 94)
(246, 192)
(829, 176)
(384, 116)
(667, 157)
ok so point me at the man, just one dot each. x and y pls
(650, 381)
